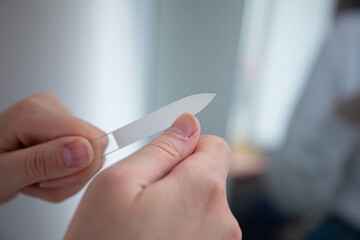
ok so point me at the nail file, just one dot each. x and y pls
(155, 122)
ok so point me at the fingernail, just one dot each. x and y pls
(184, 126)
(78, 153)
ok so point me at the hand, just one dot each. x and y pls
(173, 188)
(46, 152)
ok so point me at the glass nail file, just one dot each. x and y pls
(155, 122)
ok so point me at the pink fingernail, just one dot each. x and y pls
(78, 153)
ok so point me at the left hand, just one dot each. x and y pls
(45, 151)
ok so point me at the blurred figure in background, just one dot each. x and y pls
(318, 168)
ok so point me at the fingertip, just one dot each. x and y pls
(213, 143)
(103, 143)
(186, 125)
(78, 153)
(155, 160)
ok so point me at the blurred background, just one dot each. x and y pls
(112, 61)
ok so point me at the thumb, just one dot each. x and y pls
(161, 155)
(57, 158)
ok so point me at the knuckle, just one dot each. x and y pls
(40, 163)
(218, 144)
(234, 232)
(35, 164)
(36, 101)
(91, 131)
(169, 146)
(221, 145)
(29, 104)
(216, 189)
(46, 94)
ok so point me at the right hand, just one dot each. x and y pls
(173, 188)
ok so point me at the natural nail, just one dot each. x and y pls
(78, 153)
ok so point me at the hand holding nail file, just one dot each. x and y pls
(156, 121)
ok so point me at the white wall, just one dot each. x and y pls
(110, 61)
(297, 31)
(197, 53)
(292, 34)
(87, 53)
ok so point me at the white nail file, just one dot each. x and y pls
(155, 121)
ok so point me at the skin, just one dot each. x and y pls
(173, 188)
(33, 135)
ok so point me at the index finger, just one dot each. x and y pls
(41, 118)
(211, 159)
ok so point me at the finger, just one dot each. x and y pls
(42, 118)
(52, 100)
(210, 161)
(51, 194)
(54, 159)
(74, 180)
(48, 99)
(55, 190)
(202, 175)
(161, 155)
